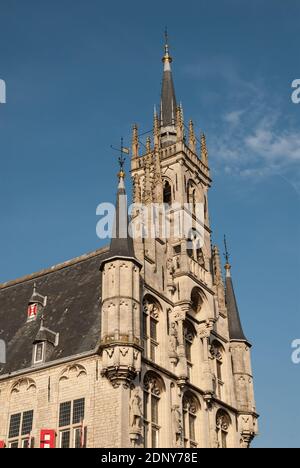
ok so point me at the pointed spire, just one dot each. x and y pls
(204, 152)
(155, 129)
(168, 99)
(179, 124)
(218, 279)
(135, 142)
(192, 138)
(121, 244)
(234, 322)
(148, 144)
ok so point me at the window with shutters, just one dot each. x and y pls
(71, 424)
(20, 428)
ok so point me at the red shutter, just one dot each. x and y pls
(2, 444)
(32, 312)
(47, 438)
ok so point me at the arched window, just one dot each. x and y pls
(189, 335)
(153, 388)
(217, 353)
(194, 247)
(223, 423)
(197, 299)
(190, 408)
(150, 327)
(167, 195)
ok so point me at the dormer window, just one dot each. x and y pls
(44, 344)
(36, 305)
(39, 352)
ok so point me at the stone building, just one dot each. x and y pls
(138, 344)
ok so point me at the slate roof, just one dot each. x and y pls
(73, 291)
(234, 322)
(168, 100)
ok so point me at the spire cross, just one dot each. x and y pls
(226, 254)
(121, 159)
(166, 38)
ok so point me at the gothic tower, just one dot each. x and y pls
(138, 344)
(196, 359)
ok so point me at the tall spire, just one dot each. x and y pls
(121, 244)
(168, 100)
(234, 322)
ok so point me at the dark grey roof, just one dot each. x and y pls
(234, 321)
(46, 335)
(168, 100)
(73, 290)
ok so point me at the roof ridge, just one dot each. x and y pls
(54, 268)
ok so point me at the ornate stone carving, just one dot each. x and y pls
(152, 384)
(177, 424)
(136, 411)
(204, 329)
(150, 308)
(23, 385)
(74, 370)
(222, 420)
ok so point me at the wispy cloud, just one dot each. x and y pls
(249, 132)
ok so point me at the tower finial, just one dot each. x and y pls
(122, 150)
(226, 255)
(121, 173)
(167, 59)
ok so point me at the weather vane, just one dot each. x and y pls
(122, 150)
(226, 254)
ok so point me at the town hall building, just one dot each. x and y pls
(140, 343)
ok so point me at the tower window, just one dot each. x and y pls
(150, 326)
(217, 353)
(167, 196)
(222, 428)
(152, 397)
(190, 407)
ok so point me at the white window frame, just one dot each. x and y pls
(35, 353)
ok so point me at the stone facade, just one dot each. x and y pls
(171, 367)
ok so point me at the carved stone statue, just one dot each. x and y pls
(136, 413)
(177, 424)
(173, 339)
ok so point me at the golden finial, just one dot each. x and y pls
(167, 57)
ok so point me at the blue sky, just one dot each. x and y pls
(80, 73)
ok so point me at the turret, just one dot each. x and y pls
(241, 363)
(121, 326)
